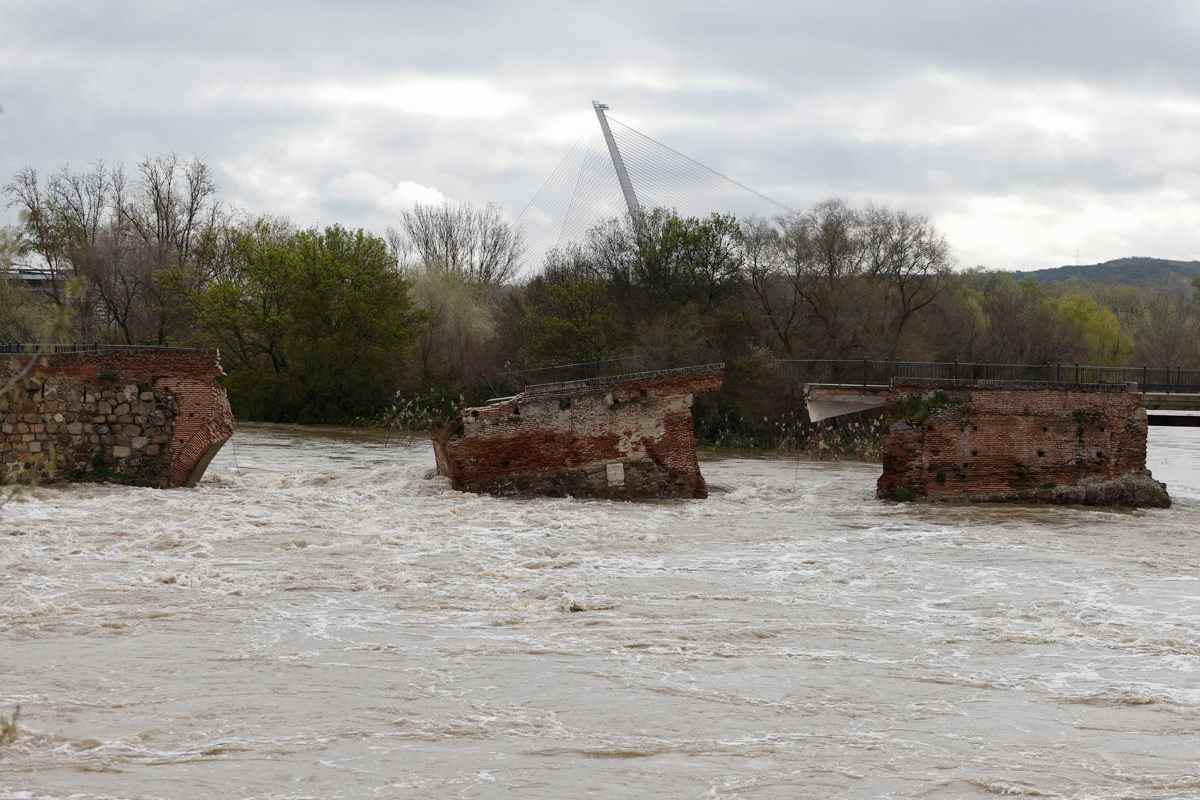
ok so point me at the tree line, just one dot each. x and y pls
(336, 324)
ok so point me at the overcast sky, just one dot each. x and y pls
(1028, 130)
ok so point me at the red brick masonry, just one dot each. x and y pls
(626, 437)
(1037, 443)
(144, 417)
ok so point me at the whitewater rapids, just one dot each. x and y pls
(320, 619)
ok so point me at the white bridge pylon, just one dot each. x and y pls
(619, 171)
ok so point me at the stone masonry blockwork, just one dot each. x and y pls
(627, 437)
(147, 417)
(1067, 445)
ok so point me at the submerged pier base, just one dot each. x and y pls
(625, 437)
(1033, 443)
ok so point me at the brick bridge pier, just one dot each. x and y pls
(624, 436)
(965, 432)
(144, 416)
(1053, 433)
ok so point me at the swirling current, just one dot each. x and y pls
(320, 619)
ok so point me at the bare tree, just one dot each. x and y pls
(852, 279)
(457, 258)
(62, 217)
(911, 259)
(823, 251)
(771, 280)
(164, 226)
(613, 254)
(1166, 327)
(170, 208)
(107, 242)
(122, 274)
(476, 243)
(79, 201)
(44, 236)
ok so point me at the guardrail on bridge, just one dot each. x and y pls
(54, 348)
(867, 372)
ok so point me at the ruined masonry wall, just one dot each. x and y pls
(567, 440)
(143, 417)
(1016, 444)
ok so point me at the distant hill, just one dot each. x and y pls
(1129, 271)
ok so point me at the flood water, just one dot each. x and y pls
(320, 620)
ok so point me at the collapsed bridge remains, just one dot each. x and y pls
(621, 437)
(142, 416)
(1033, 443)
(1053, 433)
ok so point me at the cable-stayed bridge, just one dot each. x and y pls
(620, 170)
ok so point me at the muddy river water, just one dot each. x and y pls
(320, 620)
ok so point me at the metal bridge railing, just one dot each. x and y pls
(52, 348)
(668, 372)
(868, 372)
(577, 371)
(874, 372)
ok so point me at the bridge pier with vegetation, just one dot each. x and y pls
(1045, 443)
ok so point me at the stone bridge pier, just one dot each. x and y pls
(987, 442)
(141, 416)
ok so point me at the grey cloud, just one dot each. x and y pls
(944, 105)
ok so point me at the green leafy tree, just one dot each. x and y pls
(17, 320)
(572, 320)
(1096, 327)
(26, 315)
(662, 258)
(315, 325)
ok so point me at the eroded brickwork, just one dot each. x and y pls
(143, 417)
(1059, 445)
(628, 437)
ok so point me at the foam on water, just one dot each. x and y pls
(319, 618)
